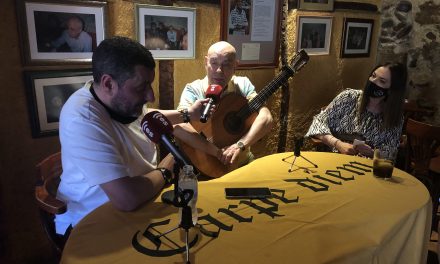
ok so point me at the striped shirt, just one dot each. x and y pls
(340, 117)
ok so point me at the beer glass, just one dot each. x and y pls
(383, 162)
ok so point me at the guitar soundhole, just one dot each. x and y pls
(233, 123)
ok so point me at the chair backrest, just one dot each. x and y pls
(423, 140)
(48, 174)
(414, 111)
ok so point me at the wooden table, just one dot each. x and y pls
(335, 213)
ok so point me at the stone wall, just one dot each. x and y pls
(410, 34)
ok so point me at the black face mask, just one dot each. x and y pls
(373, 90)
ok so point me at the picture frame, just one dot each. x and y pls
(314, 34)
(47, 91)
(168, 32)
(316, 5)
(356, 40)
(45, 38)
(253, 28)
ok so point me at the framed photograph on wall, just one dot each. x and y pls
(252, 27)
(356, 41)
(55, 32)
(314, 34)
(168, 32)
(318, 5)
(47, 91)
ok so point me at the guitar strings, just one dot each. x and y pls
(259, 100)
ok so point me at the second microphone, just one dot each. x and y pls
(213, 93)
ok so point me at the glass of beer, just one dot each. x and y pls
(383, 162)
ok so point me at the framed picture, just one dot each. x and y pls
(168, 32)
(356, 41)
(252, 27)
(56, 32)
(47, 91)
(314, 34)
(319, 5)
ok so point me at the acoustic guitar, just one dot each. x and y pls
(233, 117)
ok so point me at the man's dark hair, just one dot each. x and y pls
(117, 57)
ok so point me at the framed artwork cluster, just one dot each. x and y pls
(314, 32)
(64, 34)
(57, 34)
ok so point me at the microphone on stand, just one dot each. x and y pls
(158, 128)
(297, 145)
(213, 93)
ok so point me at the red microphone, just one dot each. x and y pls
(213, 93)
(158, 128)
(155, 124)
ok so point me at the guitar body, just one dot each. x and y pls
(224, 128)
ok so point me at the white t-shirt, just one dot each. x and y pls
(96, 149)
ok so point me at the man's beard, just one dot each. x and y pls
(121, 107)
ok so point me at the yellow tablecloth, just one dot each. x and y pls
(326, 215)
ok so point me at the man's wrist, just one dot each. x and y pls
(241, 145)
(167, 175)
(185, 115)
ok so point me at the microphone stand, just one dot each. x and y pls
(297, 153)
(180, 199)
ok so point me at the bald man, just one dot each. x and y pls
(74, 36)
(220, 64)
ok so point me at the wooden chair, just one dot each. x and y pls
(413, 110)
(423, 140)
(48, 174)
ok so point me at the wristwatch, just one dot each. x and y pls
(185, 115)
(167, 175)
(241, 146)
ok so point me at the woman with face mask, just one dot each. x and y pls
(374, 116)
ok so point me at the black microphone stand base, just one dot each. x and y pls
(168, 197)
(185, 223)
(293, 162)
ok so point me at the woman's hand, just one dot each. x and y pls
(345, 148)
(364, 150)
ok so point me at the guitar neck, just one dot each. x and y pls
(258, 101)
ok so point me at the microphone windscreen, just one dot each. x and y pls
(155, 124)
(214, 91)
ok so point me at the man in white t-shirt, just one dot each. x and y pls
(105, 154)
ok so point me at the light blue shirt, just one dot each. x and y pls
(81, 44)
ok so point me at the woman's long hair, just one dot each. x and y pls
(393, 105)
